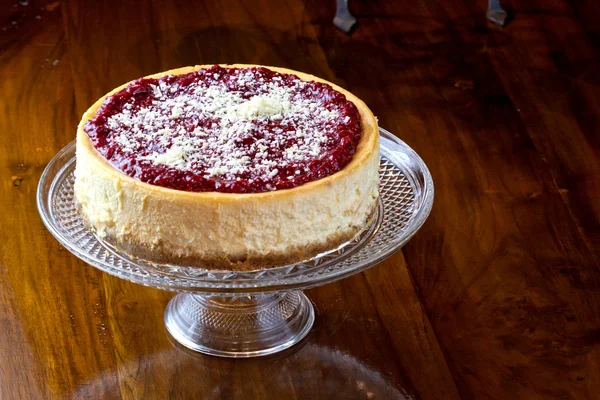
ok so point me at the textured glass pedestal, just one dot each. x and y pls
(248, 313)
(239, 326)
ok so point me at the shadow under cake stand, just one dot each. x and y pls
(247, 314)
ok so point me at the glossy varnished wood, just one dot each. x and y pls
(498, 296)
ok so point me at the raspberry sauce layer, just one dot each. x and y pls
(234, 130)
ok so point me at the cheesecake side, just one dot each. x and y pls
(228, 230)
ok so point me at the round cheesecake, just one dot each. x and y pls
(234, 167)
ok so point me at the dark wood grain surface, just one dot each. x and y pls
(497, 297)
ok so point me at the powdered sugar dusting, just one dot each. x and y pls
(233, 126)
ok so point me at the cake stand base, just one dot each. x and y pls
(239, 326)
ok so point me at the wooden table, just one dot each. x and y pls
(497, 297)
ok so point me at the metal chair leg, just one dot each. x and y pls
(343, 19)
(496, 13)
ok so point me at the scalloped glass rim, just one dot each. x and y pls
(405, 203)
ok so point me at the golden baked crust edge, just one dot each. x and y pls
(368, 144)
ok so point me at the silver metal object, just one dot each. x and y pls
(343, 19)
(496, 13)
(246, 314)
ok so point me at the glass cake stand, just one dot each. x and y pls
(247, 314)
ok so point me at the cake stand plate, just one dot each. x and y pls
(250, 313)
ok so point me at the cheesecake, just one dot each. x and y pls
(230, 167)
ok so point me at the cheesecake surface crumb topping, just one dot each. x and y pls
(235, 130)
